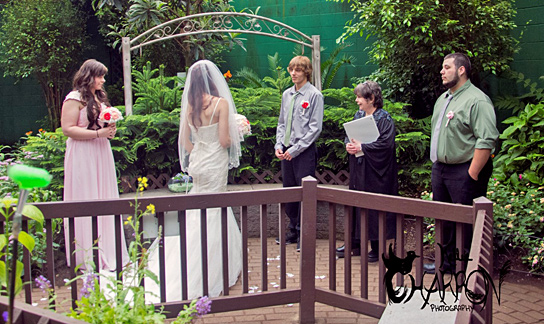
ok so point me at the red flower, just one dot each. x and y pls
(107, 116)
(305, 104)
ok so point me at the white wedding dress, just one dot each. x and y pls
(208, 165)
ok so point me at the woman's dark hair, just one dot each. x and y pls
(201, 83)
(84, 81)
(368, 89)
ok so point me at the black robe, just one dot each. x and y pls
(376, 171)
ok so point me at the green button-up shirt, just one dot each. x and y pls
(473, 125)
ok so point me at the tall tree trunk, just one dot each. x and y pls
(53, 88)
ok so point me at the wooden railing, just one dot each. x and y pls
(24, 313)
(307, 294)
(481, 255)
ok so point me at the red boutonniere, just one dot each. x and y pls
(305, 105)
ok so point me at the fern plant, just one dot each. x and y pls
(246, 77)
(517, 103)
(330, 67)
(156, 93)
(280, 81)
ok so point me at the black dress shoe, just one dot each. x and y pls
(355, 250)
(373, 256)
(290, 238)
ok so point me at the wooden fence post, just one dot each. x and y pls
(307, 250)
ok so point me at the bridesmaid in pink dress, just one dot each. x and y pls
(89, 169)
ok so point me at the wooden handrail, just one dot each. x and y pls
(480, 214)
(481, 255)
(28, 314)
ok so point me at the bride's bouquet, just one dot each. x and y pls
(244, 127)
(110, 115)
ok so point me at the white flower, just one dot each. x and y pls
(244, 127)
(450, 115)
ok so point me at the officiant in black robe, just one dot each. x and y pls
(376, 170)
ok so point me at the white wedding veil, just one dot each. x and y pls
(204, 77)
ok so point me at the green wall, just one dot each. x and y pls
(21, 105)
(311, 17)
(530, 20)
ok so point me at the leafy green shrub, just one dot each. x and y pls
(521, 151)
(340, 107)
(45, 150)
(278, 78)
(262, 108)
(147, 144)
(330, 67)
(412, 37)
(519, 220)
(413, 145)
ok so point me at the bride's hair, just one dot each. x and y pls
(84, 81)
(205, 81)
(201, 84)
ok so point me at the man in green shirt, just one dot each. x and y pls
(464, 135)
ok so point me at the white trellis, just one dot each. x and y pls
(218, 22)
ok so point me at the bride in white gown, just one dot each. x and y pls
(209, 145)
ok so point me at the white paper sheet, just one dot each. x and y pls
(363, 130)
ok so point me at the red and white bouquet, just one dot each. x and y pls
(244, 127)
(110, 115)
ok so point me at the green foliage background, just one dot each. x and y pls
(130, 18)
(411, 39)
(49, 46)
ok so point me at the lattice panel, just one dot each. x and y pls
(247, 177)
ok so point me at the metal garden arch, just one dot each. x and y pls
(218, 22)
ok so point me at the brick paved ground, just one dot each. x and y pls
(520, 303)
